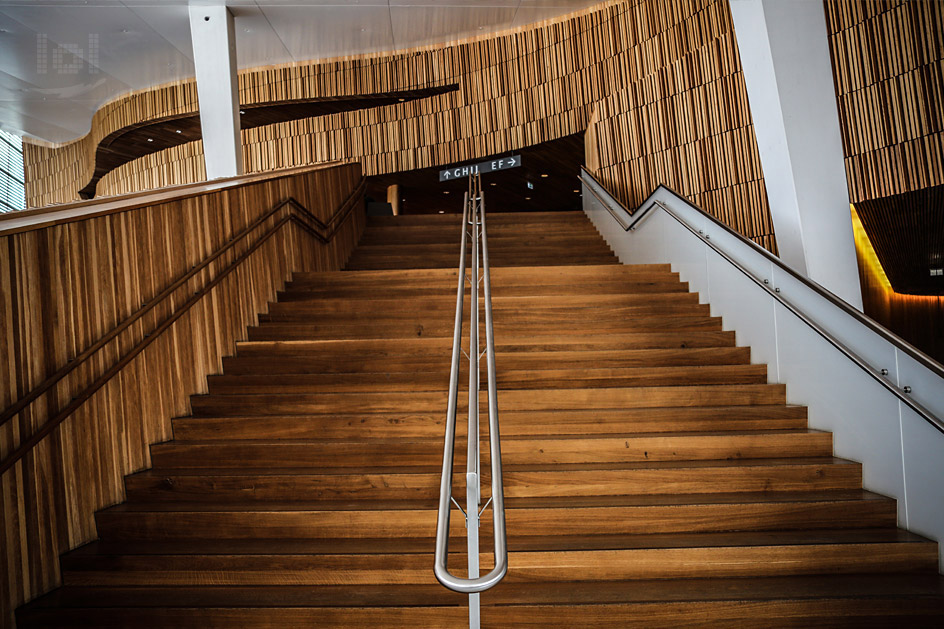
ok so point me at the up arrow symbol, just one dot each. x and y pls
(446, 174)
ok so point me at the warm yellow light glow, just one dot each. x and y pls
(864, 246)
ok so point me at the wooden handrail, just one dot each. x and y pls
(330, 230)
(37, 218)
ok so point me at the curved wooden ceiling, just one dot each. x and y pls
(134, 141)
(907, 233)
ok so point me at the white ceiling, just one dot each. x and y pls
(47, 93)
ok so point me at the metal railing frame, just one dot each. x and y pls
(473, 226)
(617, 210)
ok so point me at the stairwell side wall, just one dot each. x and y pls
(899, 450)
(65, 286)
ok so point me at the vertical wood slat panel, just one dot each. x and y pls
(686, 124)
(888, 65)
(66, 285)
(517, 88)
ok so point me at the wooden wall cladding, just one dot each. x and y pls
(518, 88)
(687, 125)
(213, 261)
(915, 318)
(888, 65)
(51, 172)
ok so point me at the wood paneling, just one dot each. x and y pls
(685, 122)
(180, 280)
(518, 88)
(918, 319)
(130, 143)
(907, 232)
(888, 65)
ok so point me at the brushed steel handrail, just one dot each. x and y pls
(878, 374)
(473, 217)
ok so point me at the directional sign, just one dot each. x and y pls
(458, 172)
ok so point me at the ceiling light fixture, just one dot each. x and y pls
(242, 111)
(445, 192)
(493, 184)
(544, 175)
(177, 131)
(150, 139)
(442, 211)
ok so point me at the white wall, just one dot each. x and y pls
(902, 454)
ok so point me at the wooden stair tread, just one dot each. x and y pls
(553, 502)
(301, 549)
(911, 586)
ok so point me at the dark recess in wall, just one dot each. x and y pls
(907, 232)
(505, 191)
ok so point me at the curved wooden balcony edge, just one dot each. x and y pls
(300, 215)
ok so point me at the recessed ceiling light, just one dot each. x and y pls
(177, 131)
(445, 192)
(401, 99)
(150, 139)
(442, 211)
(576, 190)
(493, 184)
(242, 111)
(527, 198)
(544, 174)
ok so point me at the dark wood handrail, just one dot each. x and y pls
(330, 230)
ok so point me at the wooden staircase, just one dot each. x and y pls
(652, 475)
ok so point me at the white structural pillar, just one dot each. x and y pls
(214, 56)
(785, 56)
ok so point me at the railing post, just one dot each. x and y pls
(472, 489)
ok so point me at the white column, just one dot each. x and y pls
(214, 56)
(785, 56)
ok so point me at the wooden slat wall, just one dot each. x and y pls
(517, 89)
(687, 124)
(888, 65)
(64, 286)
(52, 172)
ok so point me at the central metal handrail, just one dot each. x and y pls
(473, 218)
